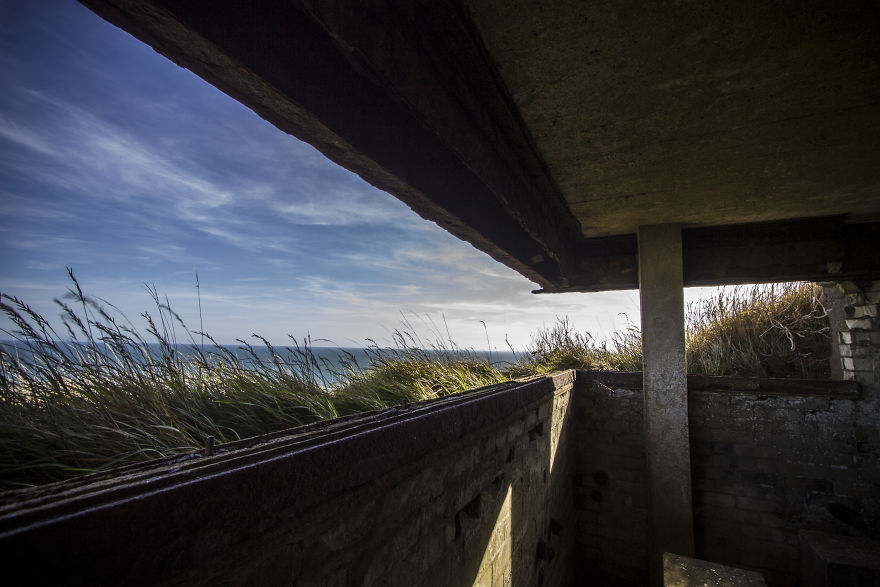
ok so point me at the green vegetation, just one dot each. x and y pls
(100, 396)
(774, 331)
(778, 330)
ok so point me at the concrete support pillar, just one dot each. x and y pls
(834, 305)
(667, 444)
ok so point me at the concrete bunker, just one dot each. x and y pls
(542, 482)
(589, 147)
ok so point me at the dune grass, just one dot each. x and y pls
(102, 393)
(105, 394)
(780, 330)
(563, 347)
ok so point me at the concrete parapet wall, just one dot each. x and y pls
(769, 458)
(472, 489)
(537, 483)
(610, 497)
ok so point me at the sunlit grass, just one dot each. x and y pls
(102, 393)
(768, 331)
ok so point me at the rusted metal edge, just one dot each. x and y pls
(722, 383)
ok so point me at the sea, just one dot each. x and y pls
(331, 359)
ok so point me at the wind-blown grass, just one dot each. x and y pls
(563, 347)
(105, 394)
(102, 397)
(102, 394)
(781, 330)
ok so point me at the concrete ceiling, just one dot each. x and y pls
(546, 133)
(699, 113)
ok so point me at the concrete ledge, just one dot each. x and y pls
(684, 571)
(151, 522)
(758, 385)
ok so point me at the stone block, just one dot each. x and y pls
(869, 310)
(863, 351)
(863, 323)
(863, 337)
(863, 364)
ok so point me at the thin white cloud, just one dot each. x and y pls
(97, 160)
(44, 266)
(249, 279)
(17, 207)
(339, 209)
(25, 137)
(258, 191)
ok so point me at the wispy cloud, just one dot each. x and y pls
(25, 137)
(134, 173)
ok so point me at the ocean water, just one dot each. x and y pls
(333, 357)
(329, 358)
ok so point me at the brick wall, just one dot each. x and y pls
(610, 489)
(493, 511)
(474, 489)
(769, 458)
(859, 331)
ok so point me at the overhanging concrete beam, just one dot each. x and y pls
(667, 443)
(810, 249)
(402, 93)
(407, 95)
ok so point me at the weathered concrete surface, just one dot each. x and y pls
(667, 446)
(685, 571)
(834, 306)
(696, 113)
(610, 496)
(471, 489)
(484, 488)
(401, 93)
(839, 561)
(768, 460)
(530, 129)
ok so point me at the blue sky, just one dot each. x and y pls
(133, 171)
